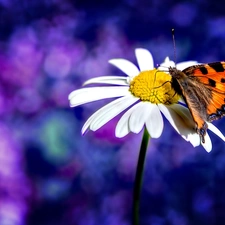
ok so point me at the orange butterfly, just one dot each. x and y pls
(203, 90)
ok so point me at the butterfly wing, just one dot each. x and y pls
(212, 76)
(203, 89)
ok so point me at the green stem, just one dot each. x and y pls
(138, 176)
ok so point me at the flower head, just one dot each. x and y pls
(145, 94)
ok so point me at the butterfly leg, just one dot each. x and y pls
(202, 132)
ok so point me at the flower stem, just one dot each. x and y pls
(138, 176)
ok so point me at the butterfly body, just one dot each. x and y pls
(203, 90)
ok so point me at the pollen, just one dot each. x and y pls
(154, 86)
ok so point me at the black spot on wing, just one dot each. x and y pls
(219, 112)
(203, 70)
(217, 66)
(222, 80)
(218, 115)
(212, 83)
(223, 108)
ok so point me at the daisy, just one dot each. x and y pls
(144, 94)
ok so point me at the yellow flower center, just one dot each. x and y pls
(154, 86)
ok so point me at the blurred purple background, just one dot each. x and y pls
(49, 173)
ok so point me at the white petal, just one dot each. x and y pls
(167, 59)
(192, 136)
(108, 80)
(180, 66)
(194, 139)
(183, 112)
(166, 64)
(184, 65)
(85, 95)
(144, 59)
(208, 144)
(100, 111)
(180, 118)
(126, 66)
(109, 111)
(171, 116)
(215, 130)
(154, 122)
(122, 127)
(138, 117)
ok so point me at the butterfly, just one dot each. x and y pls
(203, 90)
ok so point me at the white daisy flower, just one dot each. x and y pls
(145, 94)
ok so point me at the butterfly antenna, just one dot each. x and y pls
(174, 46)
